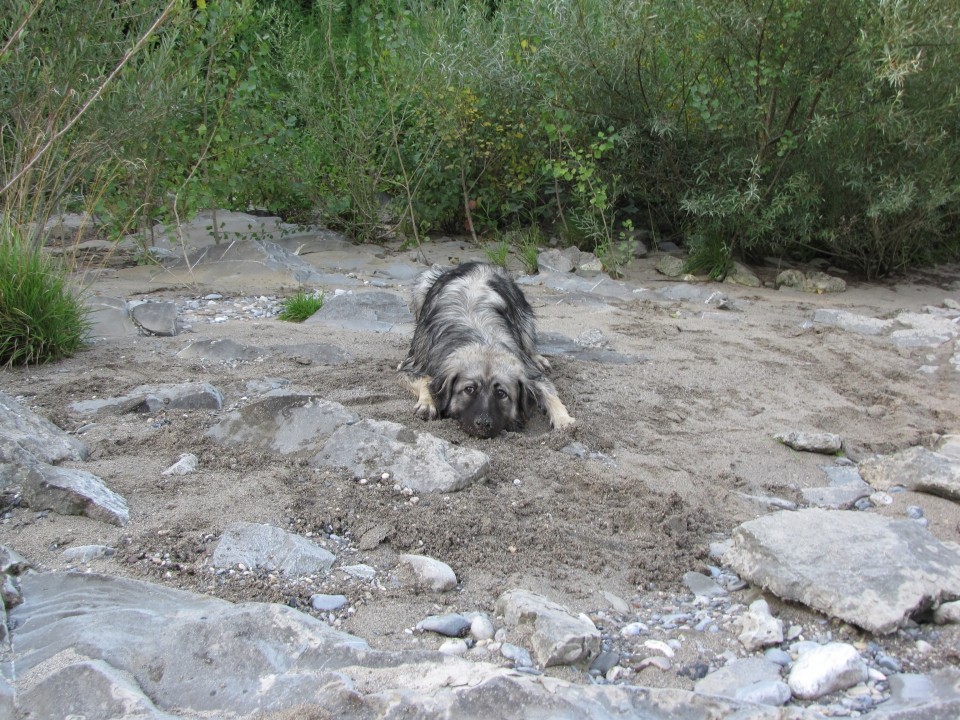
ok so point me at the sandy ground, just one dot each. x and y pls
(688, 430)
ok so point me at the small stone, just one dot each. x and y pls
(889, 664)
(826, 669)
(327, 603)
(670, 266)
(86, 553)
(818, 442)
(760, 628)
(618, 604)
(633, 629)
(914, 512)
(949, 612)
(187, 464)
(656, 661)
(702, 586)
(516, 654)
(429, 573)
(452, 625)
(481, 628)
(603, 663)
(453, 647)
(359, 571)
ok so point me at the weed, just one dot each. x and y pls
(40, 318)
(498, 252)
(301, 306)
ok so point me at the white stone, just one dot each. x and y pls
(826, 669)
(760, 628)
(430, 573)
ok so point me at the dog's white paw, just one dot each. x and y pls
(563, 423)
(426, 411)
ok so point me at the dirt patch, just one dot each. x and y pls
(686, 434)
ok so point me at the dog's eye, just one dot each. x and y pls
(501, 393)
(470, 389)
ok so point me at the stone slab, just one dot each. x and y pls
(888, 569)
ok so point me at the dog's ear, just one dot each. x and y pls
(442, 390)
(529, 398)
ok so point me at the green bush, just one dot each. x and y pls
(301, 306)
(40, 318)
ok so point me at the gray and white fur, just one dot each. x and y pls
(473, 356)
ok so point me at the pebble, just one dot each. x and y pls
(778, 656)
(604, 662)
(452, 625)
(826, 669)
(516, 654)
(326, 603)
(888, 663)
(360, 571)
(760, 628)
(481, 628)
(657, 661)
(453, 647)
(633, 629)
(659, 646)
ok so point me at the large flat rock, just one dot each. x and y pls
(105, 647)
(417, 460)
(287, 423)
(27, 437)
(255, 545)
(374, 311)
(916, 469)
(868, 570)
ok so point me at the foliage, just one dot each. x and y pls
(803, 128)
(498, 252)
(301, 306)
(40, 319)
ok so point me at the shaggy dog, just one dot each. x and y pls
(473, 357)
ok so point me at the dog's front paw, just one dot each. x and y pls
(426, 411)
(563, 423)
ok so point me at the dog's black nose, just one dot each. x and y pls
(483, 423)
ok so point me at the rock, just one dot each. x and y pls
(812, 282)
(451, 625)
(372, 538)
(86, 553)
(154, 398)
(187, 464)
(550, 343)
(418, 460)
(589, 266)
(916, 469)
(194, 656)
(702, 586)
(360, 571)
(603, 663)
(618, 604)
(557, 636)
(517, 655)
(327, 603)
(223, 350)
(156, 318)
(109, 317)
(481, 628)
(850, 322)
(923, 697)
(429, 573)
(818, 442)
(453, 647)
(948, 612)
(672, 267)
(840, 497)
(750, 679)
(318, 353)
(924, 330)
(740, 274)
(703, 295)
(286, 423)
(760, 628)
(898, 565)
(376, 311)
(826, 669)
(254, 545)
(554, 260)
(73, 492)
(25, 437)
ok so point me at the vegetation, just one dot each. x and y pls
(799, 128)
(40, 319)
(301, 306)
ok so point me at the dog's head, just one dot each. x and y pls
(486, 391)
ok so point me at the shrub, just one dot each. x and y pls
(301, 306)
(40, 318)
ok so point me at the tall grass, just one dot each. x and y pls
(40, 317)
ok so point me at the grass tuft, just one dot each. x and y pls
(301, 306)
(40, 318)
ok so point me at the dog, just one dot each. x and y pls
(473, 357)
